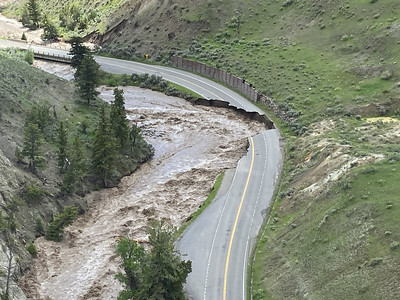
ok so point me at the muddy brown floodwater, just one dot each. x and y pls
(193, 144)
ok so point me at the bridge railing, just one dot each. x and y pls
(53, 57)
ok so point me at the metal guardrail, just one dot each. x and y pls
(52, 57)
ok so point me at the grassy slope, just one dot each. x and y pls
(93, 13)
(325, 62)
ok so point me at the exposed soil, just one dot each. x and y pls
(12, 29)
(193, 144)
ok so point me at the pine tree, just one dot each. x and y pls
(134, 137)
(165, 272)
(34, 13)
(39, 115)
(133, 260)
(25, 18)
(77, 167)
(86, 76)
(119, 122)
(104, 147)
(158, 274)
(62, 140)
(32, 141)
(56, 227)
(78, 51)
(50, 31)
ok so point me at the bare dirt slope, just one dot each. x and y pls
(193, 145)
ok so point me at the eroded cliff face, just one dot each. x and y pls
(153, 27)
(10, 180)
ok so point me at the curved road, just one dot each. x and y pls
(220, 240)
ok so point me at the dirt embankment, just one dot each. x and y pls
(193, 145)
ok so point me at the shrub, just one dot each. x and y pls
(394, 245)
(32, 249)
(386, 75)
(56, 227)
(287, 3)
(29, 57)
(34, 193)
(39, 227)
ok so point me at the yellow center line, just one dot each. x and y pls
(237, 218)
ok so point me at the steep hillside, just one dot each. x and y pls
(35, 186)
(23, 87)
(333, 67)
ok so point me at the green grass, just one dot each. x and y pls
(309, 68)
(322, 62)
(184, 90)
(359, 217)
(210, 198)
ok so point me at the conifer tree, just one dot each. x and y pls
(157, 274)
(25, 18)
(62, 140)
(32, 141)
(166, 272)
(56, 227)
(50, 31)
(78, 51)
(77, 166)
(119, 122)
(86, 76)
(34, 13)
(104, 147)
(133, 261)
(134, 136)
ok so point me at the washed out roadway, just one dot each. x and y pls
(220, 240)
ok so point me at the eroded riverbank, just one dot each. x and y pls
(193, 144)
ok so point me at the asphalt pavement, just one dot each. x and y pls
(220, 240)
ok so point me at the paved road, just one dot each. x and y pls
(230, 224)
(220, 240)
(204, 87)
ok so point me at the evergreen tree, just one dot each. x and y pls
(25, 18)
(119, 122)
(32, 141)
(62, 140)
(134, 137)
(133, 259)
(34, 13)
(86, 76)
(39, 227)
(50, 31)
(39, 115)
(104, 147)
(60, 221)
(78, 51)
(77, 167)
(165, 272)
(158, 274)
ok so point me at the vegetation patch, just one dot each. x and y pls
(210, 198)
